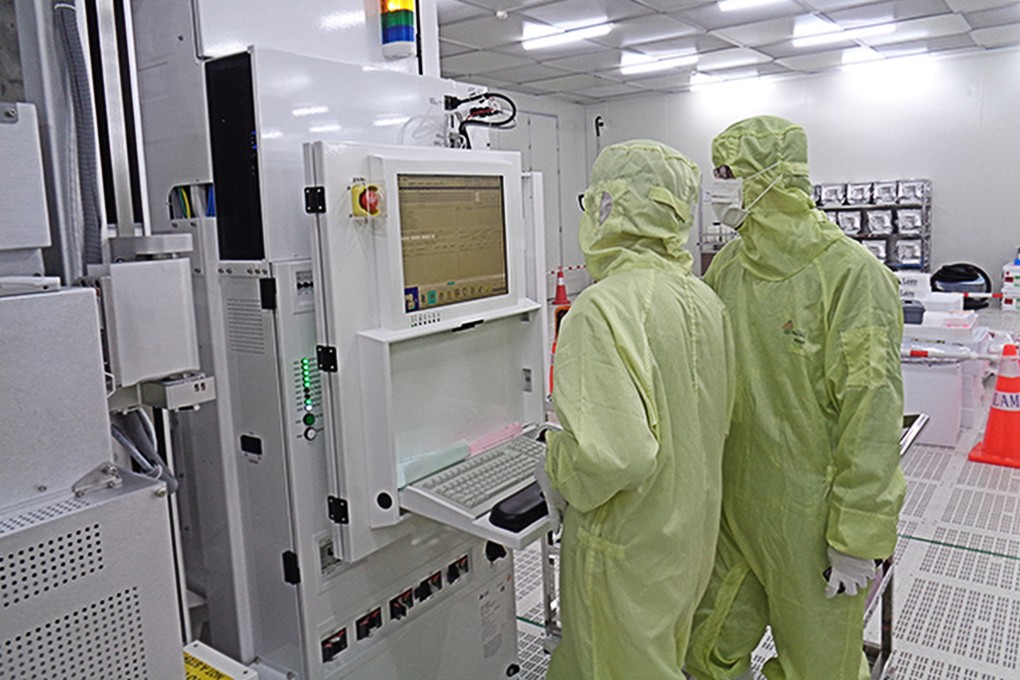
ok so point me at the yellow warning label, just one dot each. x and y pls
(196, 669)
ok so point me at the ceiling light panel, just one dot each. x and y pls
(741, 5)
(495, 5)
(727, 59)
(711, 17)
(566, 37)
(657, 65)
(841, 36)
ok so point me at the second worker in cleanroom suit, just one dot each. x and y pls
(811, 481)
(644, 393)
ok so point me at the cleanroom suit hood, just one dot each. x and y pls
(812, 460)
(644, 393)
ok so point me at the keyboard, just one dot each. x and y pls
(473, 486)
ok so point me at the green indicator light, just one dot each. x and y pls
(309, 419)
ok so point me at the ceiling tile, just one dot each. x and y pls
(884, 12)
(673, 81)
(572, 83)
(769, 32)
(614, 90)
(995, 17)
(449, 48)
(948, 43)
(454, 10)
(673, 5)
(921, 29)
(507, 5)
(527, 73)
(733, 58)
(709, 16)
(1000, 36)
(977, 5)
(828, 5)
(485, 32)
(697, 43)
(600, 61)
(480, 62)
(646, 29)
(574, 13)
(813, 63)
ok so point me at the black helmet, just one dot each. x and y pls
(962, 277)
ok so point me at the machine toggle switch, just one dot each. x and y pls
(333, 645)
(457, 569)
(400, 604)
(366, 624)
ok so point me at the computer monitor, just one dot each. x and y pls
(452, 239)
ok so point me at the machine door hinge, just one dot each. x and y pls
(326, 356)
(267, 293)
(291, 571)
(315, 200)
(338, 510)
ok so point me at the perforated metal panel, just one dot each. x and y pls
(30, 517)
(101, 639)
(87, 588)
(50, 564)
(245, 331)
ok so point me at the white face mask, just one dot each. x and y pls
(727, 198)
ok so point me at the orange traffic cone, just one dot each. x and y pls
(561, 290)
(1001, 445)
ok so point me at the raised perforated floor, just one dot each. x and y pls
(957, 578)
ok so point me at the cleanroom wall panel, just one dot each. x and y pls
(951, 120)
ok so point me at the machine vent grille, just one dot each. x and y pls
(45, 566)
(100, 640)
(244, 326)
(37, 515)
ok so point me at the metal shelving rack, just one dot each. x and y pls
(892, 218)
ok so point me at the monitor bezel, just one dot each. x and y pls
(390, 253)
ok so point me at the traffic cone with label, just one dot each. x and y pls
(561, 290)
(1001, 445)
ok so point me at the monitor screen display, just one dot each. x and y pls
(452, 239)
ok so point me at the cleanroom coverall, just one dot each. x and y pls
(812, 458)
(644, 393)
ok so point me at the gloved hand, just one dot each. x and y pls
(554, 500)
(847, 574)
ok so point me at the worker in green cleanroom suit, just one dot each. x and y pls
(644, 393)
(811, 482)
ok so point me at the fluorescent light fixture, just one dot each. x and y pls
(387, 121)
(658, 64)
(841, 35)
(330, 127)
(308, 111)
(566, 37)
(734, 5)
(272, 134)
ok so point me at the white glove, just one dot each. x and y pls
(847, 574)
(554, 500)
